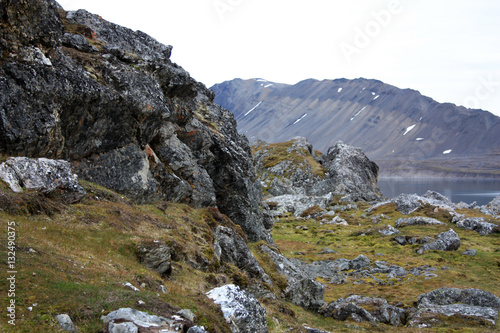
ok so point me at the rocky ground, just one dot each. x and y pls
(101, 262)
(130, 204)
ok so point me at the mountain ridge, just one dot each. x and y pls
(390, 124)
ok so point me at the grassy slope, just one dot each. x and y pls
(84, 252)
(74, 259)
(361, 237)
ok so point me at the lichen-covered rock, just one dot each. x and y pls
(287, 168)
(297, 204)
(446, 241)
(302, 288)
(359, 308)
(417, 220)
(65, 322)
(306, 293)
(241, 310)
(132, 319)
(74, 86)
(349, 172)
(389, 230)
(231, 248)
(48, 176)
(467, 304)
(403, 240)
(479, 225)
(492, 208)
(359, 262)
(470, 252)
(407, 203)
(297, 170)
(156, 256)
(196, 329)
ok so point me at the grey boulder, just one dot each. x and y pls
(125, 319)
(306, 293)
(478, 224)
(371, 309)
(242, 311)
(156, 256)
(446, 241)
(231, 248)
(418, 220)
(45, 175)
(492, 208)
(467, 304)
(65, 322)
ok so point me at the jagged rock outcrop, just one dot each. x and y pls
(306, 293)
(132, 320)
(231, 248)
(156, 256)
(51, 177)
(409, 203)
(492, 208)
(288, 168)
(297, 204)
(349, 172)
(302, 289)
(241, 310)
(417, 220)
(294, 168)
(466, 304)
(446, 241)
(74, 86)
(479, 225)
(371, 309)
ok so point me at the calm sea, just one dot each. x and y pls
(481, 191)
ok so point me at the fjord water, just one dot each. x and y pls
(467, 190)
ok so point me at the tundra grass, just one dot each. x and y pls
(76, 262)
(303, 239)
(75, 259)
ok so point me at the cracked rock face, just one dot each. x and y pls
(446, 241)
(48, 176)
(466, 304)
(241, 310)
(359, 308)
(351, 172)
(298, 171)
(74, 86)
(479, 225)
(156, 256)
(233, 249)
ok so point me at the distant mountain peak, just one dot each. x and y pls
(393, 126)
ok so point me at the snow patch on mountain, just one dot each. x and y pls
(296, 121)
(255, 107)
(409, 129)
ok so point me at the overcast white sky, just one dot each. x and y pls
(448, 49)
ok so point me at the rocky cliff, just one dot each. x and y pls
(294, 168)
(404, 132)
(74, 86)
